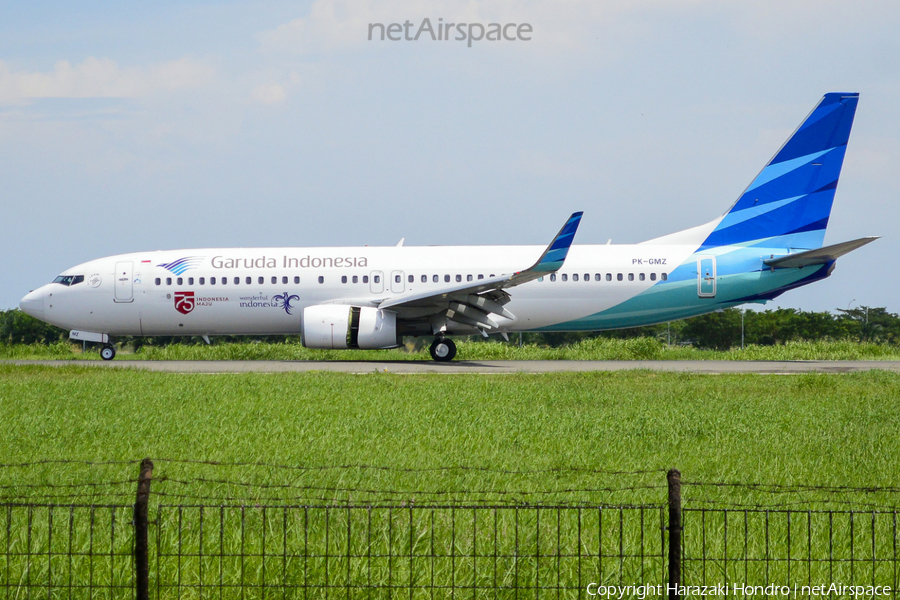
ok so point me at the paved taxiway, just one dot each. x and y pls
(484, 366)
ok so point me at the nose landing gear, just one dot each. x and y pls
(442, 349)
(108, 352)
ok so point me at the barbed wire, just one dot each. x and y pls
(755, 507)
(778, 488)
(66, 485)
(571, 469)
(203, 480)
(318, 502)
(811, 493)
(61, 461)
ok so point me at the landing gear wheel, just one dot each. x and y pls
(443, 350)
(108, 352)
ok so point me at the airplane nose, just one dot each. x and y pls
(33, 304)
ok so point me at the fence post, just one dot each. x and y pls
(141, 546)
(673, 478)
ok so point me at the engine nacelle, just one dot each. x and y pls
(337, 327)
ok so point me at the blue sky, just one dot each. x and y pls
(175, 125)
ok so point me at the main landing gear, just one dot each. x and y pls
(108, 352)
(442, 349)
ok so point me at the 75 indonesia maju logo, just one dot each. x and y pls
(184, 302)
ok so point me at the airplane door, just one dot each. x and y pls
(397, 282)
(124, 281)
(706, 276)
(376, 282)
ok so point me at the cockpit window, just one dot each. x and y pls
(69, 279)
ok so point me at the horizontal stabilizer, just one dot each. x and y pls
(819, 256)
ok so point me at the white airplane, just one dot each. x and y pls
(768, 242)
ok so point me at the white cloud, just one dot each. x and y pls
(270, 93)
(101, 78)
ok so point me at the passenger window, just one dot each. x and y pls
(248, 280)
(552, 276)
(365, 279)
(376, 278)
(168, 281)
(596, 276)
(652, 276)
(343, 279)
(296, 279)
(424, 278)
(179, 281)
(190, 281)
(574, 276)
(458, 278)
(565, 277)
(609, 276)
(480, 276)
(224, 280)
(446, 279)
(434, 278)
(619, 277)
(411, 278)
(540, 278)
(641, 276)
(284, 279)
(468, 278)
(158, 281)
(321, 279)
(663, 276)
(202, 281)
(212, 281)
(587, 276)
(631, 277)
(397, 279)
(274, 280)
(355, 279)
(261, 280)
(237, 281)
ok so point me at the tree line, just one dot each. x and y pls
(720, 330)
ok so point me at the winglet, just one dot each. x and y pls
(551, 260)
(553, 257)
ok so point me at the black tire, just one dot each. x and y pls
(443, 350)
(108, 352)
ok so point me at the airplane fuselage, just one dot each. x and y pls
(264, 290)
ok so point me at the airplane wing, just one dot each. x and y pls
(470, 303)
(819, 256)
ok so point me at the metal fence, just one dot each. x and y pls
(790, 547)
(74, 551)
(404, 550)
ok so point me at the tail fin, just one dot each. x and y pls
(791, 198)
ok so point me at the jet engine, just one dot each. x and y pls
(337, 327)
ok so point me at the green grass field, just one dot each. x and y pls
(837, 430)
(642, 348)
(420, 441)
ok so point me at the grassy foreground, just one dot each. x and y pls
(536, 438)
(415, 441)
(643, 348)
